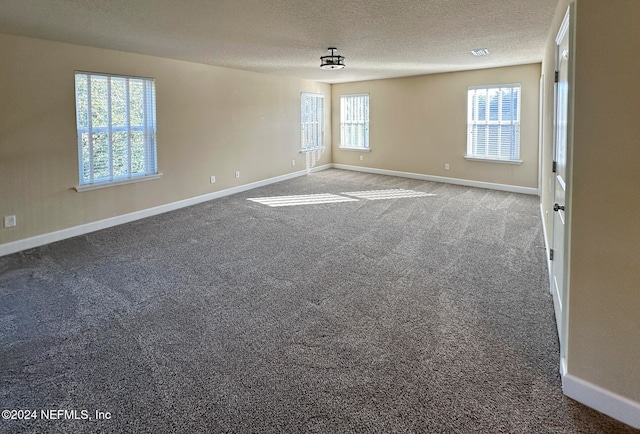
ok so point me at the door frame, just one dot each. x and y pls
(567, 28)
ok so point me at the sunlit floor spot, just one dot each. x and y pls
(311, 199)
(387, 194)
(306, 199)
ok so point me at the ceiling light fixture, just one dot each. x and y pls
(332, 61)
(480, 52)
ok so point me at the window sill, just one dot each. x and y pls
(351, 148)
(492, 160)
(305, 150)
(89, 187)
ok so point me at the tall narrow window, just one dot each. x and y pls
(354, 121)
(312, 121)
(116, 122)
(493, 123)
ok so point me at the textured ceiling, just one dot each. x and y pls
(380, 39)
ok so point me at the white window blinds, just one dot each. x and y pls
(354, 121)
(493, 122)
(116, 123)
(312, 121)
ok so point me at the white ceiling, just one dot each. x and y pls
(380, 39)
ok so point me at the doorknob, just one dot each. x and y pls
(557, 207)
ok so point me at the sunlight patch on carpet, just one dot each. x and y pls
(305, 199)
(395, 193)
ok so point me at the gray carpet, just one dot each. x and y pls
(421, 314)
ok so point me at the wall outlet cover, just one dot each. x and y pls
(9, 221)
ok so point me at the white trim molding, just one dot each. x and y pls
(445, 180)
(491, 160)
(353, 148)
(307, 150)
(52, 237)
(99, 185)
(605, 401)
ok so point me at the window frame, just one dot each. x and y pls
(493, 151)
(316, 135)
(362, 118)
(145, 130)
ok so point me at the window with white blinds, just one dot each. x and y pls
(493, 122)
(354, 121)
(312, 121)
(116, 122)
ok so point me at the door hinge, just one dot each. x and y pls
(551, 254)
(557, 76)
(554, 168)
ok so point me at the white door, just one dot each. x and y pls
(558, 265)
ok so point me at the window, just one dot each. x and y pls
(493, 123)
(116, 121)
(312, 121)
(354, 121)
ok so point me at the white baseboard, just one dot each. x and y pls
(457, 181)
(323, 167)
(40, 240)
(605, 401)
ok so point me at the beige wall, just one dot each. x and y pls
(211, 121)
(417, 124)
(604, 331)
(214, 121)
(604, 294)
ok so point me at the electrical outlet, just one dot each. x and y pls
(293, 162)
(361, 157)
(9, 221)
(237, 174)
(213, 179)
(446, 166)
